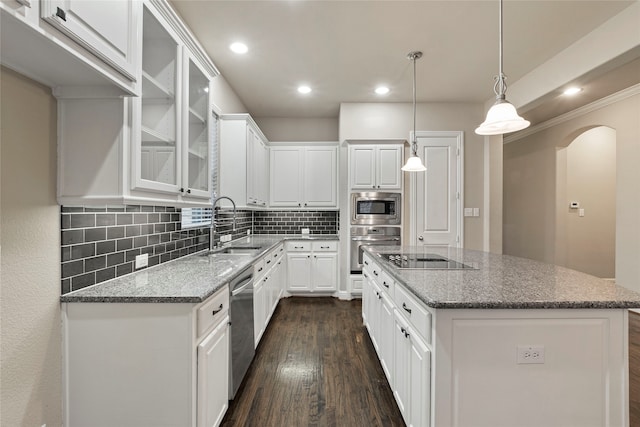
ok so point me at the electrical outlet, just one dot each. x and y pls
(142, 261)
(530, 354)
(248, 232)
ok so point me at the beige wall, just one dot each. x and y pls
(30, 351)
(298, 128)
(225, 98)
(530, 187)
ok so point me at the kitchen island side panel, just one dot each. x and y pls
(583, 380)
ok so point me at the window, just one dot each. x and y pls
(201, 217)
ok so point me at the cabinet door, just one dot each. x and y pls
(401, 365)
(320, 176)
(388, 164)
(108, 29)
(213, 376)
(362, 167)
(299, 271)
(286, 177)
(252, 159)
(156, 119)
(196, 130)
(386, 337)
(420, 382)
(263, 175)
(325, 271)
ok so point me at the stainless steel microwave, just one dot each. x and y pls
(376, 208)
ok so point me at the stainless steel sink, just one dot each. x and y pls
(244, 250)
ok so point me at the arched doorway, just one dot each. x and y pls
(586, 178)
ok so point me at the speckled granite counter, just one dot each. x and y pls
(191, 279)
(502, 281)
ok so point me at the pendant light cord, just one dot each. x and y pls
(500, 86)
(414, 143)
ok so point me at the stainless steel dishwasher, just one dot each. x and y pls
(241, 313)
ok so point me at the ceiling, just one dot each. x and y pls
(344, 49)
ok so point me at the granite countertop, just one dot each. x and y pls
(503, 281)
(190, 279)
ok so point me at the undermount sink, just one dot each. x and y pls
(242, 250)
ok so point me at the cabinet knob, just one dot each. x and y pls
(299, 204)
(182, 190)
(61, 14)
(189, 190)
(420, 238)
(305, 204)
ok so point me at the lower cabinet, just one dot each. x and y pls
(213, 376)
(267, 290)
(312, 266)
(395, 324)
(146, 364)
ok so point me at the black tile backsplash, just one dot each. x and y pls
(292, 222)
(101, 243)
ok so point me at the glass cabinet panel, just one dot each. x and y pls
(197, 140)
(159, 115)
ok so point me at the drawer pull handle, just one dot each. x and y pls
(324, 247)
(366, 263)
(365, 275)
(407, 309)
(298, 247)
(385, 285)
(378, 295)
(375, 272)
(260, 269)
(268, 261)
(214, 312)
(404, 332)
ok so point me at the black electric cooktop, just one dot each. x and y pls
(423, 261)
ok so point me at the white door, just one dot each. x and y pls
(299, 271)
(320, 176)
(325, 271)
(362, 170)
(286, 186)
(213, 376)
(436, 195)
(389, 175)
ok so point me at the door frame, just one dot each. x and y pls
(459, 135)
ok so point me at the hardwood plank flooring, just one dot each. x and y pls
(634, 369)
(315, 366)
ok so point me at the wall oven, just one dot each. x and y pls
(361, 237)
(375, 208)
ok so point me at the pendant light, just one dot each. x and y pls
(414, 164)
(502, 117)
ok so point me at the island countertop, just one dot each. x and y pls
(504, 282)
(190, 279)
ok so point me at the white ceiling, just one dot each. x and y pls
(343, 49)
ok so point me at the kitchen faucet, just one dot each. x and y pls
(214, 221)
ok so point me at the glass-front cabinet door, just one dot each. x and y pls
(196, 173)
(158, 162)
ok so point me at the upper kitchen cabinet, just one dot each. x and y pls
(375, 166)
(304, 176)
(243, 161)
(74, 43)
(155, 148)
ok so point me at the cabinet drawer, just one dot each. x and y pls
(277, 254)
(213, 310)
(413, 310)
(367, 262)
(324, 246)
(258, 268)
(298, 246)
(386, 283)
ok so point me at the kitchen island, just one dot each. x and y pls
(505, 341)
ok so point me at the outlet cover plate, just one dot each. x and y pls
(530, 354)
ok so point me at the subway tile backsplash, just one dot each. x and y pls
(98, 244)
(101, 243)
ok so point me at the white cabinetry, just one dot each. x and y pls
(268, 289)
(153, 149)
(243, 165)
(375, 166)
(107, 29)
(304, 176)
(74, 43)
(146, 364)
(312, 266)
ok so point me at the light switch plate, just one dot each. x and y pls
(468, 211)
(476, 211)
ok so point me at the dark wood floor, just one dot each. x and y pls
(315, 366)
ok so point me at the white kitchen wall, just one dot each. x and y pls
(299, 129)
(30, 351)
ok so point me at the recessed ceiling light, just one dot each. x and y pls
(382, 90)
(239, 48)
(572, 90)
(304, 89)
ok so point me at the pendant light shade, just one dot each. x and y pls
(414, 163)
(502, 117)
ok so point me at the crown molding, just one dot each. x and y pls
(586, 109)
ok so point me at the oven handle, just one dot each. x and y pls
(372, 239)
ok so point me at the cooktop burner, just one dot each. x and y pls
(423, 261)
